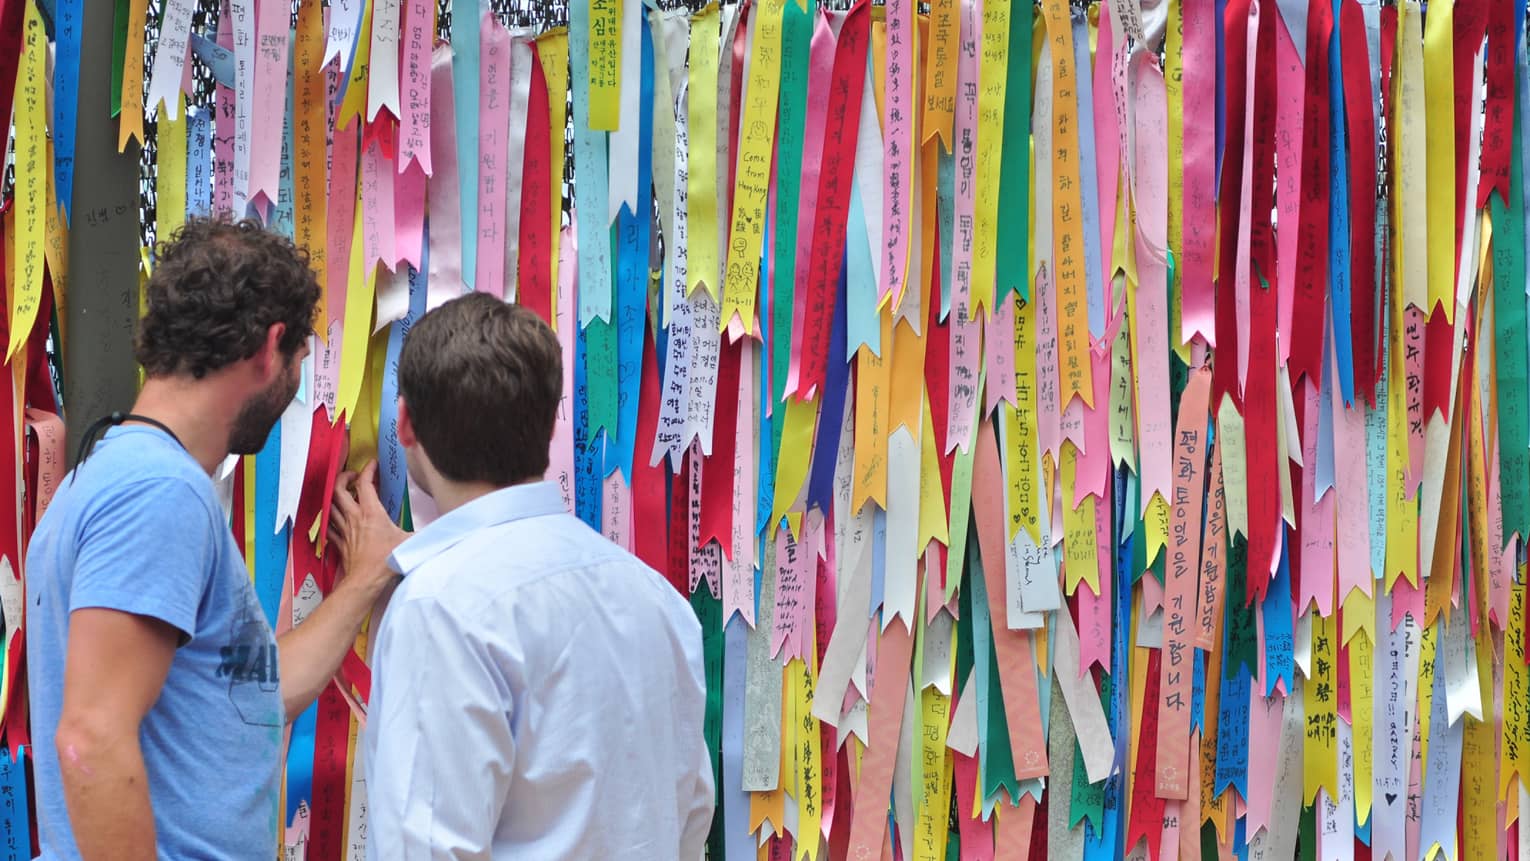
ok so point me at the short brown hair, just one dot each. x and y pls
(216, 288)
(482, 380)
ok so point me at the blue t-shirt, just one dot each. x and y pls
(138, 528)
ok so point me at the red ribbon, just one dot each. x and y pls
(1265, 107)
(11, 22)
(1312, 246)
(534, 272)
(1260, 417)
(648, 483)
(937, 370)
(717, 476)
(829, 224)
(1498, 123)
(327, 833)
(1224, 379)
(1469, 22)
(1361, 128)
(1259, 402)
(1439, 356)
(1147, 808)
(678, 571)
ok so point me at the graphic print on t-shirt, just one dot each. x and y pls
(249, 661)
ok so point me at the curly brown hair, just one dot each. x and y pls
(217, 288)
(482, 380)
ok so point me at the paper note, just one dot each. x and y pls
(31, 144)
(762, 698)
(382, 77)
(267, 105)
(702, 265)
(1071, 289)
(966, 151)
(590, 205)
(415, 142)
(604, 64)
(1083, 703)
(1412, 204)
(493, 157)
(886, 718)
(1180, 586)
(899, 150)
(991, 97)
(757, 136)
(344, 22)
(1516, 700)
(170, 56)
(515, 174)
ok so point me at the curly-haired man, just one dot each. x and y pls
(158, 688)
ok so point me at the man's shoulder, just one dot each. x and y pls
(137, 483)
(529, 557)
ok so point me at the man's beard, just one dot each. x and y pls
(261, 412)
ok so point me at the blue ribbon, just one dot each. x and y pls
(465, 49)
(218, 59)
(591, 191)
(1221, 82)
(300, 761)
(13, 777)
(68, 28)
(199, 181)
(632, 279)
(865, 326)
(1120, 651)
(1323, 480)
(765, 477)
(587, 491)
(945, 189)
(1279, 638)
(1093, 276)
(1198, 693)
(834, 391)
(1232, 732)
(270, 544)
(392, 474)
(1338, 221)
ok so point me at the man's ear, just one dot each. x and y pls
(268, 359)
(406, 436)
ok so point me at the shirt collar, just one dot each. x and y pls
(502, 506)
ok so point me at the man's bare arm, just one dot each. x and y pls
(362, 533)
(116, 665)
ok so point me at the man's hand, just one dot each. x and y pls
(364, 536)
(361, 530)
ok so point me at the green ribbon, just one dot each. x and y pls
(1088, 801)
(709, 612)
(791, 122)
(1015, 166)
(1509, 329)
(1306, 838)
(996, 761)
(1242, 642)
(1209, 843)
(119, 53)
(600, 356)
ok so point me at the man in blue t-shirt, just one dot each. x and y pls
(159, 691)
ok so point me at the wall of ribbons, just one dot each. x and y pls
(1084, 432)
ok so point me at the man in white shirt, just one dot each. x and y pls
(537, 691)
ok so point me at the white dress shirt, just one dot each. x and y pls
(537, 693)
